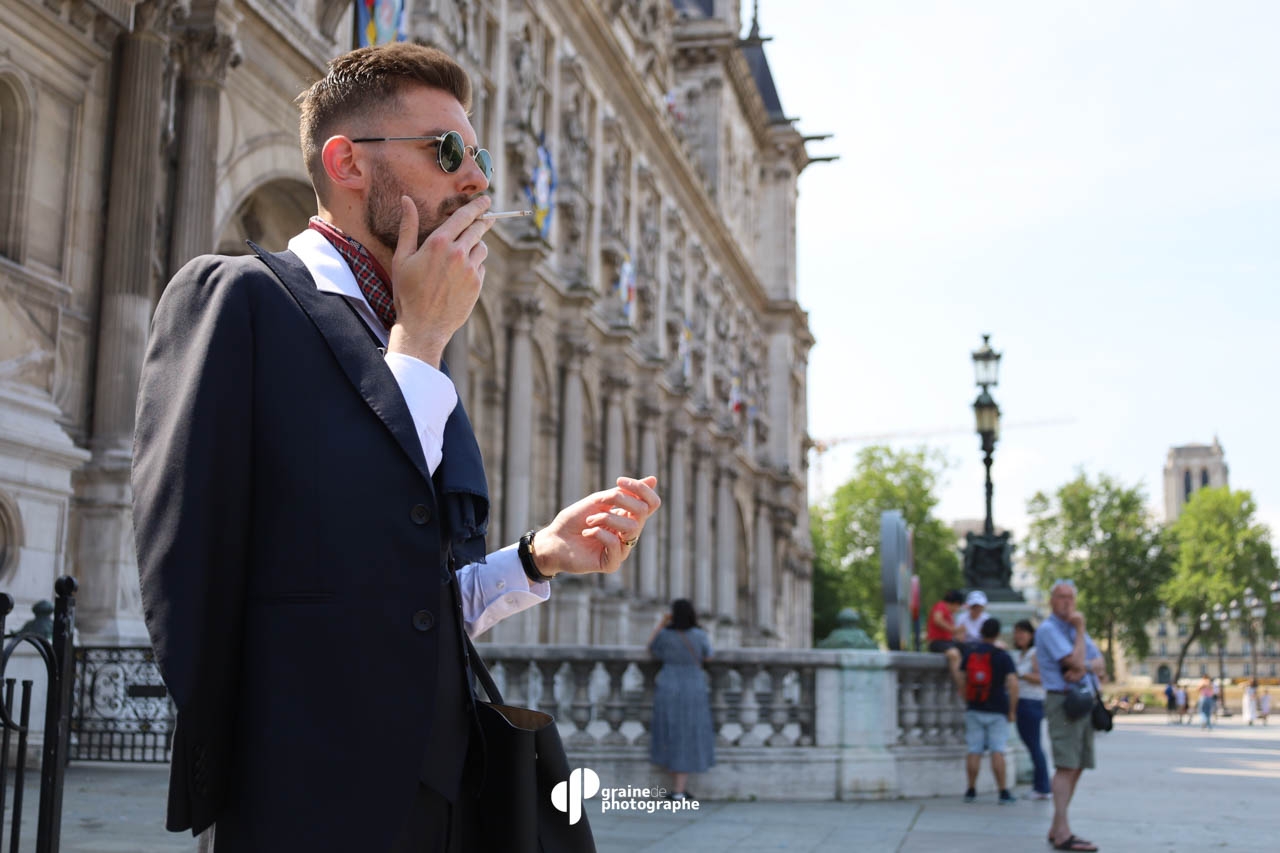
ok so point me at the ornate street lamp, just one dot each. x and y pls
(1221, 615)
(987, 415)
(987, 558)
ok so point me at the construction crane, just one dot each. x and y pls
(821, 446)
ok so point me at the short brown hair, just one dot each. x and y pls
(366, 81)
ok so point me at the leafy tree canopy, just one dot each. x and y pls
(1099, 534)
(1219, 550)
(846, 536)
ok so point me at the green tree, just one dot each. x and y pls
(1100, 535)
(1219, 550)
(846, 536)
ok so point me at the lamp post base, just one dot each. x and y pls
(988, 565)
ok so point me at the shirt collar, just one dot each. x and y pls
(332, 275)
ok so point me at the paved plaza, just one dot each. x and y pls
(1158, 788)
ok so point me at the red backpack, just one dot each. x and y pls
(978, 677)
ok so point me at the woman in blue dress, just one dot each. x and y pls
(682, 738)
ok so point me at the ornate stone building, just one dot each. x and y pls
(136, 135)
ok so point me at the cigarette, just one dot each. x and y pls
(507, 214)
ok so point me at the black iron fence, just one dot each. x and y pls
(56, 654)
(120, 709)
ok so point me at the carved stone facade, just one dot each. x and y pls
(651, 328)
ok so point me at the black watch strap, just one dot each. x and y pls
(525, 550)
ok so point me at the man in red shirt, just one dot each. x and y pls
(941, 628)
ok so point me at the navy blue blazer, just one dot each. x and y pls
(290, 546)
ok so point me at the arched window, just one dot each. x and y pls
(1163, 675)
(14, 119)
(1204, 477)
(1186, 485)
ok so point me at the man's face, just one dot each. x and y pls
(1063, 602)
(975, 610)
(410, 168)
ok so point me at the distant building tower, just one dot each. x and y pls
(1189, 468)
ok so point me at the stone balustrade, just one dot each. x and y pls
(790, 724)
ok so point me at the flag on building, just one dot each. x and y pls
(625, 287)
(541, 190)
(735, 394)
(379, 22)
(685, 349)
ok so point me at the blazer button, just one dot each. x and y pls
(420, 514)
(423, 620)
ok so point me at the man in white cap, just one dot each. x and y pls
(969, 623)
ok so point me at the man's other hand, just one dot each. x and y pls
(598, 532)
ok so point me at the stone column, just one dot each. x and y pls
(130, 250)
(764, 567)
(726, 543)
(572, 442)
(673, 512)
(614, 448)
(457, 355)
(649, 547)
(703, 586)
(523, 309)
(206, 56)
(109, 603)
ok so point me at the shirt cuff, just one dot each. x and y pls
(430, 396)
(496, 589)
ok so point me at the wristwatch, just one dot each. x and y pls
(525, 550)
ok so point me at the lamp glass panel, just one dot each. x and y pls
(988, 418)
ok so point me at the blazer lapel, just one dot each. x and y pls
(354, 347)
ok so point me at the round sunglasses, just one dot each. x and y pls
(451, 151)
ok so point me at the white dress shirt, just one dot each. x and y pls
(493, 590)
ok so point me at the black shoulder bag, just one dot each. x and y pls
(524, 760)
(1100, 717)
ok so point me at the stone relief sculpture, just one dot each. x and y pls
(575, 141)
(647, 262)
(615, 194)
(675, 267)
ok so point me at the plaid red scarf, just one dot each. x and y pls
(373, 280)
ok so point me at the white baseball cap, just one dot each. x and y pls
(976, 597)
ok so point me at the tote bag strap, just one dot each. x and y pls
(482, 673)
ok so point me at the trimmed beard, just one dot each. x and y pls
(382, 212)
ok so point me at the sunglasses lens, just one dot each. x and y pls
(451, 151)
(485, 162)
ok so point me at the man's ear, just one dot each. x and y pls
(342, 166)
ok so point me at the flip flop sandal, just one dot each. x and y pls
(1074, 843)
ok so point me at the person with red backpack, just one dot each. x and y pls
(988, 681)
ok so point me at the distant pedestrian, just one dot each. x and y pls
(1249, 702)
(1205, 705)
(681, 737)
(1264, 706)
(941, 628)
(969, 623)
(1030, 707)
(989, 685)
(1067, 656)
(1184, 712)
(1171, 702)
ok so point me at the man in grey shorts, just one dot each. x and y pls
(988, 682)
(1066, 655)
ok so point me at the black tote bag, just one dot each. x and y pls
(524, 760)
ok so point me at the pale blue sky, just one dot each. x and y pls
(1097, 185)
